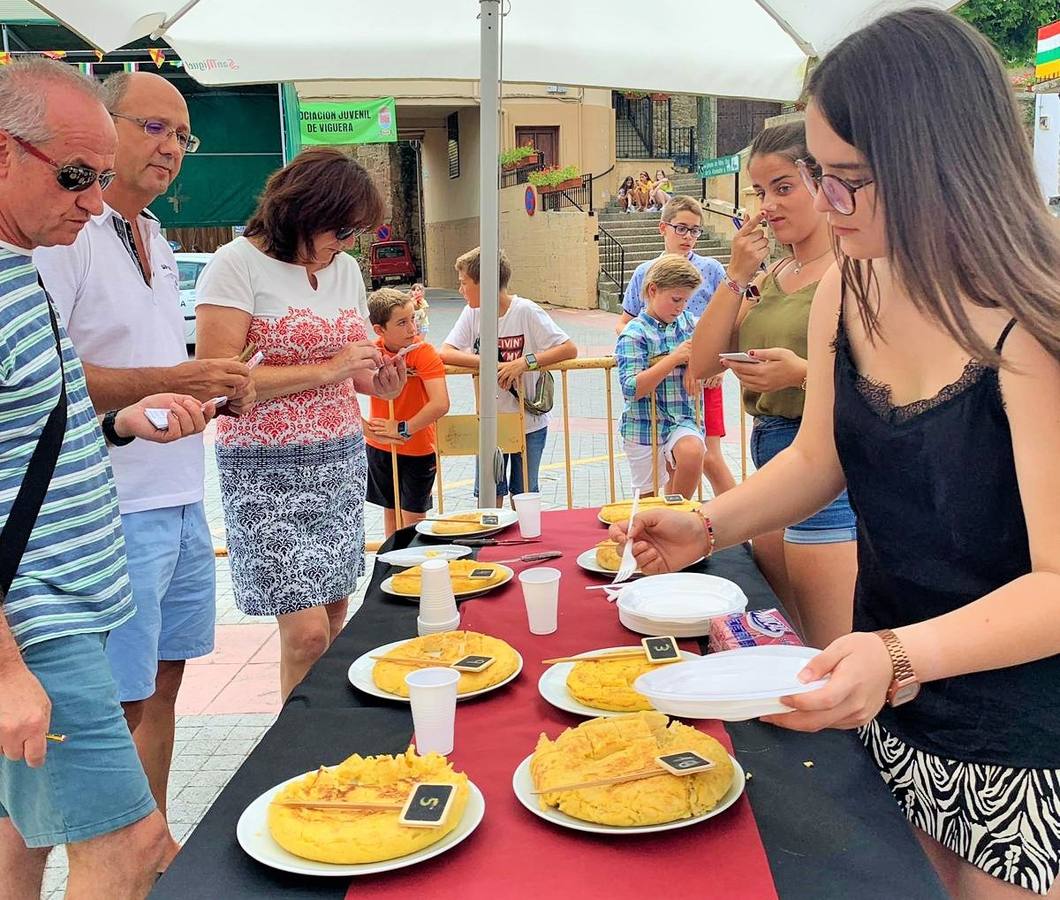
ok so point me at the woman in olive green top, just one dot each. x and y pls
(811, 565)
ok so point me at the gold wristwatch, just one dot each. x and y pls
(904, 685)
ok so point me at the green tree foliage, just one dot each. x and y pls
(1012, 25)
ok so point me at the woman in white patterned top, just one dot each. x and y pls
(293, 473)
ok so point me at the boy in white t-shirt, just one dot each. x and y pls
(527, 340)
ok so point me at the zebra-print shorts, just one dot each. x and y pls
(1003, 820)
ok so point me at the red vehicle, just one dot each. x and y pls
(391, 261)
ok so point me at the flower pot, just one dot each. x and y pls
(528, 161)
(562, 186)
(659, 96)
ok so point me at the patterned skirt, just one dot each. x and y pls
(1003, 820)
(295, 521)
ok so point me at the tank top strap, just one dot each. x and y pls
(1004, 335)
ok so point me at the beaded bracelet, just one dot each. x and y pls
(708, 526)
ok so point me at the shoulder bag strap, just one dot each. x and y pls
(24, 511)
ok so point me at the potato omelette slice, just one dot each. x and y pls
(619, 512)
(609, 684)
(608, 747)
(448, 647)
(409, 582)
(362, 836)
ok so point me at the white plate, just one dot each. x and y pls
(523, 785)
(252, 832)
(388, 586)
(417, 556)
(662, 629)
(723, 710)
(505, 516)
(552, 685)
(587, 560)
(747, 673)
(682, 597)
(360, 675)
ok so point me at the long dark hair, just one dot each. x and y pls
(321, 189)
(925, 99)
(629, 182)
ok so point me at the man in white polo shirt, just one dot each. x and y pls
(117, 290)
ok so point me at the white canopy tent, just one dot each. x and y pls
(544, 41)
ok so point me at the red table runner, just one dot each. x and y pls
(515, 854)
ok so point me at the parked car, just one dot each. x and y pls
(189, 267)
(391, 261)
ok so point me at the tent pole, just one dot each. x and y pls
(489, 238)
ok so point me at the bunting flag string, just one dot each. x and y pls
(157, 54)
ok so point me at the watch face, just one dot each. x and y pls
(905, 693)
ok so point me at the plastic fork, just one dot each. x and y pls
(628, 565)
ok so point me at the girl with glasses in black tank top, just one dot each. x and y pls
(934, 397)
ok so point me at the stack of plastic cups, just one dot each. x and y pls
(438, 610)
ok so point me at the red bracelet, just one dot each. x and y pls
(709, 528)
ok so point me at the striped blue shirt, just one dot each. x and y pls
(72, 578)
(712, 271)
(639, 346)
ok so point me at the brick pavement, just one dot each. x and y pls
(230, 697)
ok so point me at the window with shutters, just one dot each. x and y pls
(452, 124)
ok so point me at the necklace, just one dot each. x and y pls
(799, 266)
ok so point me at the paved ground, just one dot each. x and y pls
(231, 697)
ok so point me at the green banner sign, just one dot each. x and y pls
(722, 165)
(364, 122)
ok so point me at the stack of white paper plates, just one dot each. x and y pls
(680, 604)
(733, 685)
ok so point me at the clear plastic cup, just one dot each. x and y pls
(541, 595)
(432, 695)
(528, 509)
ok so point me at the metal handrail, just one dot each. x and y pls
(612, 258)
(553, 201)
(604, 364)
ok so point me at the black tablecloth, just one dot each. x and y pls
(830, 830)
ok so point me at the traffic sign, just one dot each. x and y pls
(383, 233)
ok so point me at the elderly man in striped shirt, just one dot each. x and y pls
(69, 773)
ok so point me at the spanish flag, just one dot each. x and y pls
(99, 55)
(5, 59)
(158, 56)
(54, 54)
(1047, 61)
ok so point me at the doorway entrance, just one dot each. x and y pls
(543, 137)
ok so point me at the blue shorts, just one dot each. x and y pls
(513, 466)
(173, 571)
(92, 783)
(835, 523)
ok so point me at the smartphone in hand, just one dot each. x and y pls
(739, 357)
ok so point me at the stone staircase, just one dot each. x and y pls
(639, 234)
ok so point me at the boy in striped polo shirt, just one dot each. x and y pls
(71, 585)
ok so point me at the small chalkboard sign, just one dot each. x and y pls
(687, 763)
(428, 805)
(661, 649)
(481, 573)
(674, 498)
(491, 519)
(472, 663)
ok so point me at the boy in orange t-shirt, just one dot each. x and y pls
(411, 429)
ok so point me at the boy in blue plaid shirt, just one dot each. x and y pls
(652, 356)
